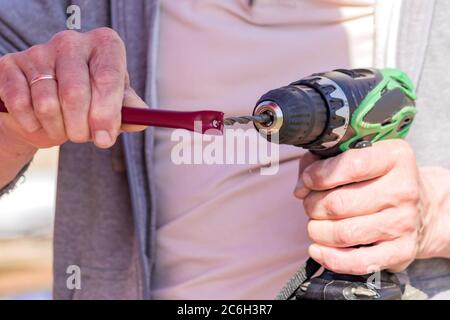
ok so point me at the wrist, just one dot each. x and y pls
(434, 213)
(14, 156)
(14, 149)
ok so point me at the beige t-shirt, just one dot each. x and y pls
(224, 230)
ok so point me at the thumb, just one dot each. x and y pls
(131, 99)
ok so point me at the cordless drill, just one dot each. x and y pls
(329, 113)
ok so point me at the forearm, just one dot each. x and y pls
(14, 156)
(435, 213)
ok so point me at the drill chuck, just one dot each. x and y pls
(298, 115)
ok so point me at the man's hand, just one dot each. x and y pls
(83, 104)
(367, 197)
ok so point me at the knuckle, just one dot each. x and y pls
(414, 194)
(358, 164)
(106, 35)
(7, 58)
(45, 105)
(309, 204)
(408, 191)
(101, 118)
(36, 52)
(402, 150)
(106, 76)
(8, 72)
(45, 108)
(318, 177)
(72, 95)
(344, 233)
(335, 203)
(65, 38)
(104, 32)
(408, 223)
(6, 62)
(17, 102)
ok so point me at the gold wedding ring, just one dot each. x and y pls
(42, 77)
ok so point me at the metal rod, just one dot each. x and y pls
(261, 118)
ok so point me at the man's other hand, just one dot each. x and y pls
(83, 104)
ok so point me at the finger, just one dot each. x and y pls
(46, 106)
(355, 165)
(364, 260)
(15, 94)
(107, 67)
(301, 191)
(44, 94)
(385, 225)
(74, 91)
(360, 198)
(399, 267)
(131, 99)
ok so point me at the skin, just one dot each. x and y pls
(83, 105)
(379, 198)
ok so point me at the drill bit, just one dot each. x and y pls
(260, 118)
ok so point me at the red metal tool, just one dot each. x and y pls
(211, 121)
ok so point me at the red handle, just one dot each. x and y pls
(194, 120)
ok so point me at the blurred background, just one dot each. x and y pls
(26, 225)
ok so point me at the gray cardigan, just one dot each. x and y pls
(105, 210)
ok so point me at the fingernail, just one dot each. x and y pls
(102, 138)
(315, 252)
